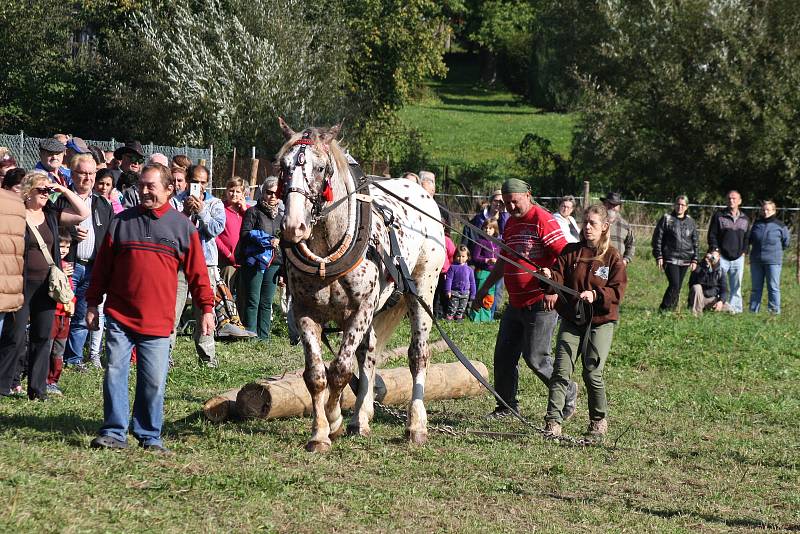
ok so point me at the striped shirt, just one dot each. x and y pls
(85, 248)
(536, 236)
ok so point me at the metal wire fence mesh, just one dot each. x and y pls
(25, 149)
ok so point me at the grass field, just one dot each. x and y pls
(704, 436)
(465, 123)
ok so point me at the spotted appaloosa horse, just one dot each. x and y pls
(352, 299)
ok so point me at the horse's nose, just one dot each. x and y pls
(294, 233)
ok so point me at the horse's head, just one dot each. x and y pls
(308, 167)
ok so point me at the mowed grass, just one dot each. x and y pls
(463, 122)
(704, 436)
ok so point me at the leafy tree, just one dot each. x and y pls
(709, 100)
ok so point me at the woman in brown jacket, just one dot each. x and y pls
(596, 271)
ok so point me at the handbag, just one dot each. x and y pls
(58, 286)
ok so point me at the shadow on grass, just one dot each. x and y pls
(483, 111)
(74, 428)
(745, 522)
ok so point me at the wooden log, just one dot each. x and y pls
(221, 407)
(288, 397)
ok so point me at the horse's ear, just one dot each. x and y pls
(287, 130)
(331, 134)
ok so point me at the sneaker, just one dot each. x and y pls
(53, 389)
(77, 367)
(501, 412)
(572, 398)
(155, 448)
(448, 318)
(231, 330)
(597, 429)
(95, 361)
(552, 429)
(107, 442)
(211, 364)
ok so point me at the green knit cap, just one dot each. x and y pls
(515, 185)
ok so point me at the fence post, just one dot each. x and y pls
(585, 194)
(797, 250)
(21, 154)
(233, 163)
(210, 164)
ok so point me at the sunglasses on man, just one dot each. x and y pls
(135, 158)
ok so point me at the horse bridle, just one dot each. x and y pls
(322, 196)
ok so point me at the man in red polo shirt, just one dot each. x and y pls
(136, 269)
(527, 325)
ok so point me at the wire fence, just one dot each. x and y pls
(25, 149)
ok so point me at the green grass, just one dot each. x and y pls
(465, 123)
(703, 437)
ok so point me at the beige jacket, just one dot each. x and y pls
(12, 250)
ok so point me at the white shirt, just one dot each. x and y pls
(570, 228)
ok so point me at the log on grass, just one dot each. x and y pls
(289, 397)
(221, 407)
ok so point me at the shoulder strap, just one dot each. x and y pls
(46, 253)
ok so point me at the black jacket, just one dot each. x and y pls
(102, 213)
(256, 218)
(729, 236)
(712, 279)
(675, 238)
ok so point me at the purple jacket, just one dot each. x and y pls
(460, 277)
(485, 250)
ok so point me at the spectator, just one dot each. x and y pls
(89, 236)
(131, 157)
(411, 176)
(566, 221)
(13, 180)
(769, 237)
(235, 207)
(675, 249)
(459, 285)
(139, 313)
(51, 158)
(596, 271)
(707, 286)
(43, 219)
(486, 254)
(428, 182)
(495, 209)
(12, 246)
(208, 215)
(99, 157)
(111, 162)
(75, 145)
(181, 160)
(728, 235)
(621, 233)
(60, 330)
(439, 297)
(258, 277)
(61, 138)
(104, 186)
(179, 175)
(7, 163)
(158, 157)
(527, 325)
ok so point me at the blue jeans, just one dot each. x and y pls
(152, 364)
(772, 273)
(527, 333)
(734, 271)
(2, 318)
(78, 332)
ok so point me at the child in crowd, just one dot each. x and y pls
(485, 258)
(594, 269)
(60, 330)
(459, 284)
(104, 186)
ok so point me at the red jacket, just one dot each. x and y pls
(137, 269)
(536, 236)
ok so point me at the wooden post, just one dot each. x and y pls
(253, 173)
(233, 163)
(585, 194)
(797, 250)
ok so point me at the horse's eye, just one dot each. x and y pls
(320, 168)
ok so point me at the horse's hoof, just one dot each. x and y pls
(337, 434)
(318, 446)
(356, 430)
(415, 437)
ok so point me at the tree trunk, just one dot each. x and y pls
(288, 396)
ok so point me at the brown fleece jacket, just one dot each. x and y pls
(607, 277)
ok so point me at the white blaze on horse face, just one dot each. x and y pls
(297, 218)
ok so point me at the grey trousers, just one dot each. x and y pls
(527, 333)
(699, 302)
(180, 303)
(206, 350)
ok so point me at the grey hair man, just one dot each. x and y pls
(621, 232)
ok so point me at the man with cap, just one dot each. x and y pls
(131, 158)
(51, 159)
(75, 145)
(621, 233)
(526, 327)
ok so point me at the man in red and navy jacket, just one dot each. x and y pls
(136, 269)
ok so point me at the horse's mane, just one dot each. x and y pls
(317, 135)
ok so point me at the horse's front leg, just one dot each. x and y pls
(315, 377)
(340, 370)
(365, 396)
(418, 356)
